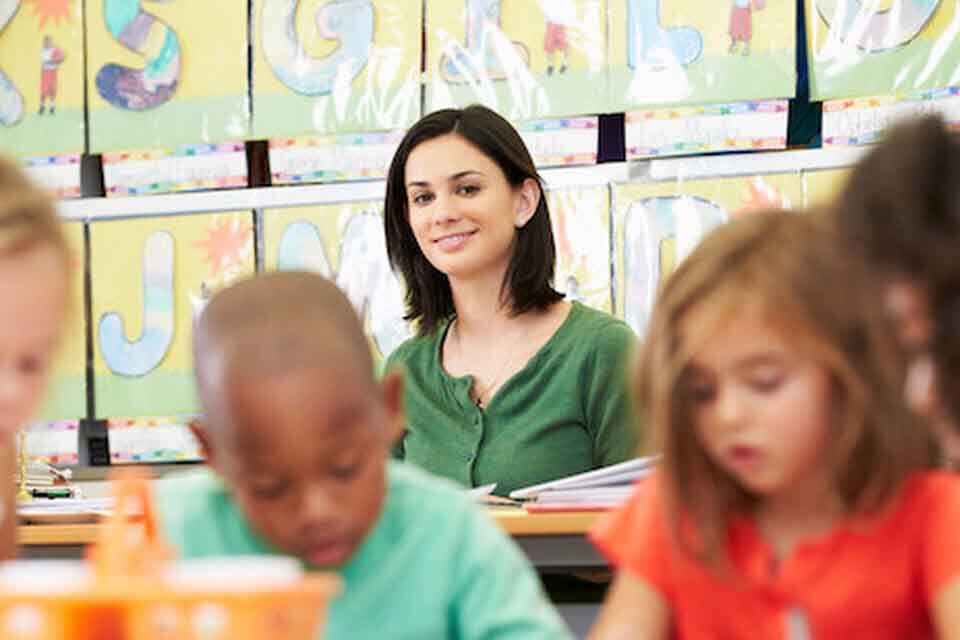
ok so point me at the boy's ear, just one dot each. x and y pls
(206, 448)
(391, 388)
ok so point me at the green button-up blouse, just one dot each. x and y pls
(567, 411)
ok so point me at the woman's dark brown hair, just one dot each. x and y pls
(529, 277)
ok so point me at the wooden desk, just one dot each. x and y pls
(552, 541)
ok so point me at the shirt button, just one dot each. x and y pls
(469, 457)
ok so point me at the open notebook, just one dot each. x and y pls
(593, 490)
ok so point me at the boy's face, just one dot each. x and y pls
(304, 453)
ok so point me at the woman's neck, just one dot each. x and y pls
(483, 308)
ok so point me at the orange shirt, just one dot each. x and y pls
(867, 578)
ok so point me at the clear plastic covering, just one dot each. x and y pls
(658, 224)
(339, 66)
(701, 52)
(527, 59)
(860, 48)
(166, 74)
(344, 242)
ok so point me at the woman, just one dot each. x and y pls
(507, 383)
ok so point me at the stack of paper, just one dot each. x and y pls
(596, 490)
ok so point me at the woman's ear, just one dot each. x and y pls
(528, 199)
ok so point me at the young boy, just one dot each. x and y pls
(297, 430)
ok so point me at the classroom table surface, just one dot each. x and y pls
(516, 522)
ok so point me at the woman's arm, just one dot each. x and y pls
(608, 403)
(633, 609)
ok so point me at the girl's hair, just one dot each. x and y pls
(529, 276)
(28, 214)
(901, 209)
(789, 268)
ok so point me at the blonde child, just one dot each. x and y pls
(795, 499)
(298, 430)
(34, 284)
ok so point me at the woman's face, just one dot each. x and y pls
(909, 306)
(463, 212)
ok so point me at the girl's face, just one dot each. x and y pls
(463, 212)
(33, 290)
(761, 409)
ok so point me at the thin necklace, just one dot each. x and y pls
(480, 393)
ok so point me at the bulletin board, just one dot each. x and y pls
(526, 59)
(151, 278)
(41, 77)
(344, 242)
(581, 231)
(701, 51)
(887, 47)
(166, 74)
(330, 67)
(657, 225)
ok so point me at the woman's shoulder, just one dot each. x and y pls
(416, 347)
(602, 331)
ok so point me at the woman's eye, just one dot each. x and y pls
(468, 189)
(422, 198)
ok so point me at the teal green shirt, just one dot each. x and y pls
(566, 411)
(434, 566)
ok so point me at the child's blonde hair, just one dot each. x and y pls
(789, 268)
(28, 214)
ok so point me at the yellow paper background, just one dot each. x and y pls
(524, 21)
(20, 45)
(66, 396)
(394, 61)
(581, 232)
(821, 187)
(331, 221)
(209, 102)
(734, 195)
(116, 271)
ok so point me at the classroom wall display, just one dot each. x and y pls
(151, 278)
(861, 49)
(166, 75)
(67, 390)
(859, 121)
(55, 442)
(527, 59)
(347, 156)
(561, 142)
(344, 242)
(581, 231)
(330, 67)
(680, 131)
(41, 77)
(152, 441)
(192, 168)
(821, 187)
(657, 225)
(700, 51)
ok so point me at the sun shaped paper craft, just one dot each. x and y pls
(226, 244)
(53, 10)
